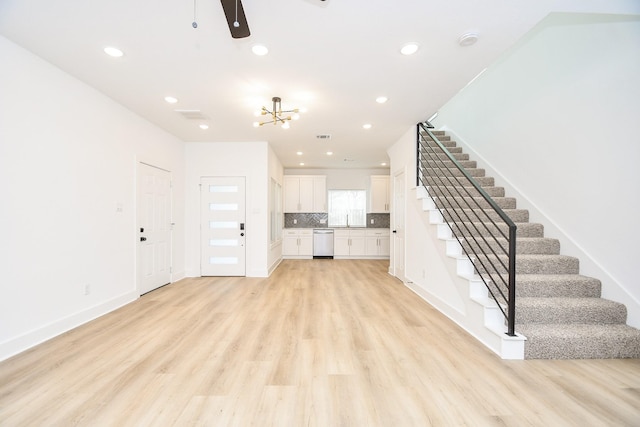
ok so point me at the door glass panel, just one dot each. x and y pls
(223, 188)
(223, 206)
(223, 242)
(223, 260)
(223, 224)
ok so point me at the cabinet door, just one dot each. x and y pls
(372, 246)
(379, 197)
(306, 194)
(384, 248)
(291, 194)
(357, 243)
(305, 245)
(341, 243)
(290, 245)
(320, 194)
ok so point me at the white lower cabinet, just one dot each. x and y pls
(349, 243)
(378, 242)
(297, 243)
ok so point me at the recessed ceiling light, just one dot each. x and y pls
(467, 39)
(260, 50)
(171, 99)
(301, 163)
(383, 164)
(112, 51)
(299, 153)
(381, 99)
(204, 127)
(409, 49)
(366, 126)
(329, 153)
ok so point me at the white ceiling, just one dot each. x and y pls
(333, 58)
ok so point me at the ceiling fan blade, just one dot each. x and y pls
(236, 19)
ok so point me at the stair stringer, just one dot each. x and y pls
(481, 316)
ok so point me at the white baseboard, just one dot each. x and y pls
(37, 336)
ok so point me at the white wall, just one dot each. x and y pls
(248, 159)
(67, 161)
(556, 122)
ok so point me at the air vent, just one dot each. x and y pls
(323, 136)
(191, 114)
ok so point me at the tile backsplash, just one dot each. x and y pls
(320, 220)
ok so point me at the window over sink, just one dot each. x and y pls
(347, 208)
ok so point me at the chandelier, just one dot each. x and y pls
(277, 114)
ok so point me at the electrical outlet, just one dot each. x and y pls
(371, 220)
(295, 221)
(87, 289)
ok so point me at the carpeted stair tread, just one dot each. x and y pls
(524, 245)
(569, 310)
(527, 229)
(580, 341)
(529, 263)
(557, 285)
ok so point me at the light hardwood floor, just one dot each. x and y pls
(319, 343)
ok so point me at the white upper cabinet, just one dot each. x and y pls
(379, 196)
(305, 193)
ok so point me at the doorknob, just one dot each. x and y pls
(143, 239)
(241, 234)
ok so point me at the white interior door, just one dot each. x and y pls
(398, 225)
(223, 231)
(153, 228)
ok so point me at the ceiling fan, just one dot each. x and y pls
(236, 19)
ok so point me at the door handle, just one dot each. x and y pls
(143, 239)
(394, 231)
(241, 234)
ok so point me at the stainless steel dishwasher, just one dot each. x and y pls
(323, 243)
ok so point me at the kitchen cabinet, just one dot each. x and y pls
(378, 242)
(349, 243)
(297, 243)
(305, 193)
(379, 195)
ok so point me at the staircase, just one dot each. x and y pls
(559, 311)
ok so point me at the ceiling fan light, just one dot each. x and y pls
(467, 39)
(259, 50)
(113, 52)
(409, 49)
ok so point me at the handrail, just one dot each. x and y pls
(472, 224)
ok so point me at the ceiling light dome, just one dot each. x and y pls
(113, 51)
(260, 50)
(467, 39)
(409, 49)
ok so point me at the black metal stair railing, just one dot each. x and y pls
(485, 232)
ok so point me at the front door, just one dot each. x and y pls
(223, 231)
(398, 225)
(153, 228)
